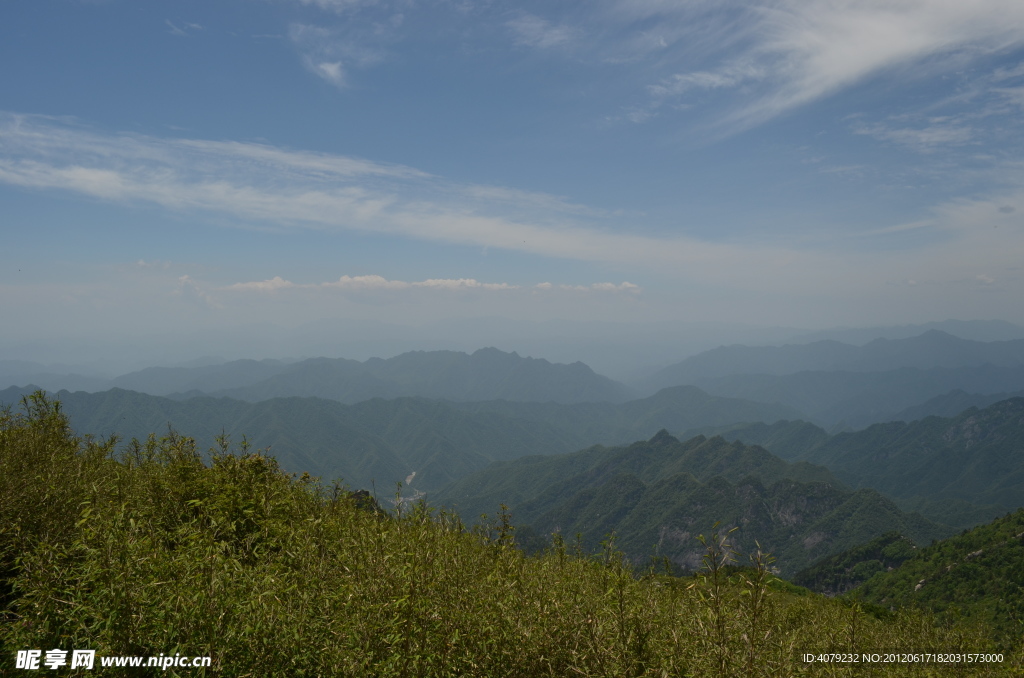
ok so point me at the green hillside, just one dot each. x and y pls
(845, 571)
(977, 575)
(944, 467)
(270, 575)
(659, 494)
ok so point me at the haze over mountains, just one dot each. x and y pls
(382, 441)
(811, 449)
(484, 375)
(833, 384)
(932, 349)
(836, 384)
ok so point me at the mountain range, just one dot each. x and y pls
(959, 470)
(658, 495)
(851, 400)
(486, 374)
(424, 443)
(838, 386)
(932, 349)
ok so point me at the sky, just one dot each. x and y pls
(272, 178)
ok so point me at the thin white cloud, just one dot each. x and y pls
(782, 54)
(370, 282)
(181, 29)
(259, 185)
(273, 285)
(331, 71)
(340, 5)
(377, 282)
(173, 29)
(330, 53)
(190, 290)
(923, 139)
(728, 76)
(762, 57)
(595, 287)
(534, 31)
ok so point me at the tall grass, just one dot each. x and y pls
(163, 550)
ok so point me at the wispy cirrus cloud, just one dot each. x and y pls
(534, 31)
(377, 282)
(257, 185)
(759, 59)
(331, 53)
(767, 57)
(369, 282)
(925, 138)
(183, 28)
(374, 289)
(280, 188)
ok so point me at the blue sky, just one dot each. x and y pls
(187, 168)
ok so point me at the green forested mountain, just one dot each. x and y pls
(939, 466)
(931, 349)
(977, 575)
(840, 573)
(658, 495)
(960, 470)
(390, 440)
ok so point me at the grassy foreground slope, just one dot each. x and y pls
(159, 553)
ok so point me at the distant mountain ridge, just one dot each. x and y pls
(932, 349)
(164, 381)
(859, 399)
(486, 374)
(670, 408)
(978, 330)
